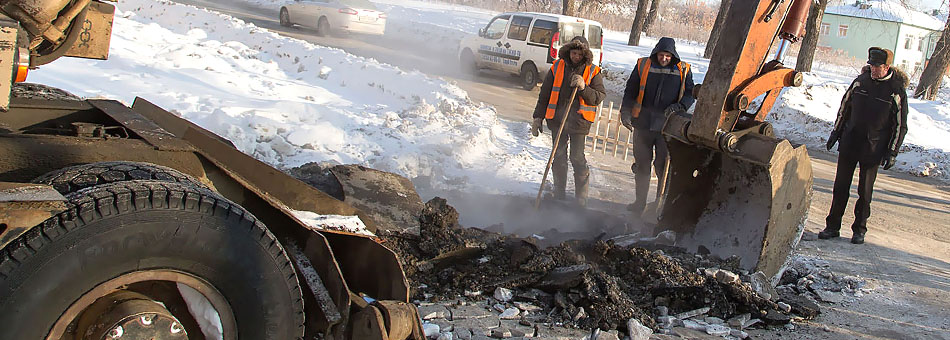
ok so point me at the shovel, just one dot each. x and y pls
(557, 140)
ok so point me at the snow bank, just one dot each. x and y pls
(288, 102)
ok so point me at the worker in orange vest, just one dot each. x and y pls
(659, 86)
(573, 69)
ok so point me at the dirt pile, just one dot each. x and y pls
(583, 284)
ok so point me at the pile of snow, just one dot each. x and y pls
(288, 102)
(350, 224)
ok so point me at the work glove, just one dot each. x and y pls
(578, 82)
(627, 120)
(832, 140)
(674, 108)
(889, 161)
(536, 126)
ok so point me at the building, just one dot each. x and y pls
(856, 26)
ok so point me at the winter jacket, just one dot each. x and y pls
(593, 94)
(662, 89)
(872, 120)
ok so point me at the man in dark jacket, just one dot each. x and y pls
(659, 85)
(871, 125)
(573, 69)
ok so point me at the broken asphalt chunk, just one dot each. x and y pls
(564, 277)
(692, 313)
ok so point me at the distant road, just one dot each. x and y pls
(500, 90)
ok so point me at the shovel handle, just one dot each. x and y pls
(557, 140)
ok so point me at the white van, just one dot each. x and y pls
(526, 43)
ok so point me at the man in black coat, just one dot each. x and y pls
(573, 69)
(659, 85)
(871, 125)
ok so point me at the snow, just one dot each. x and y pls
(888, 10)
(288, 102)
(350, 224)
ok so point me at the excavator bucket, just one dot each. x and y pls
(733, 188)
(751, 204)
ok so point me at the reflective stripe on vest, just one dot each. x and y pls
(643, 64)
(587, 111)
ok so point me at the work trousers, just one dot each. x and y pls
(842, 191)
(571, 146)
(645, 143)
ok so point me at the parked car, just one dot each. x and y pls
(358, 16)
(526, 43)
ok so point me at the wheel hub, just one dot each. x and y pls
(137, 319)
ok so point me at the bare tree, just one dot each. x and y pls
(569, 7)
(806, 52)
(638, 20)
(651, 15)
(936, 68)
(717, 28)
(589, 6)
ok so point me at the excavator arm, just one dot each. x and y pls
(733, 188)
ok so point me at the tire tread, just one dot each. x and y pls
(94, 203)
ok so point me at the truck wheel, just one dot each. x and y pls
(285, 18)
(74, 178)
(323, 27)
(145, 257)
(529, 76)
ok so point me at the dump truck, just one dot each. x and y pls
(121, 222)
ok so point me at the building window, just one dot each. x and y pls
(917, 67)
(909, 42)
(920, 44)
(842, 31)
(825, 28)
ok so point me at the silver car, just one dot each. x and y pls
(358, 16)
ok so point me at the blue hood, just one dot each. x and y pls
(666, 45)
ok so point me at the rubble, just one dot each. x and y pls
(637, 331)
(510, 314)
(574, 284)
(502, 294)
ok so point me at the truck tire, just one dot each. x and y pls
(77, 177)
(138, 233)
(40, 91)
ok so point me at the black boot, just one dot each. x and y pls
(857, 238)
(829, 233)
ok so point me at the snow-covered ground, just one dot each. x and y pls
(288, 102)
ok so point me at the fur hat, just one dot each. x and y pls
(878, 56)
